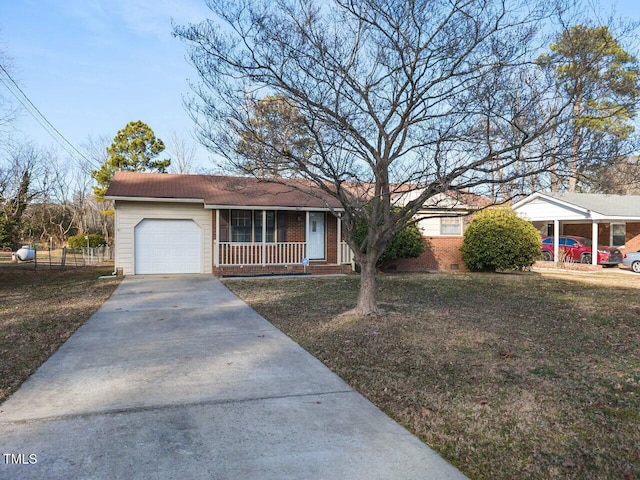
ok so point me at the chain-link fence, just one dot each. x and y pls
(62, 257)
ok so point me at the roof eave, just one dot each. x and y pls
(274, 207)
(153, 199)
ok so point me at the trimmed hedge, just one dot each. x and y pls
(79, 241)
(497, 239)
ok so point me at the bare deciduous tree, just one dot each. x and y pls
(393, 94)
(8, 110)
(19, 185)
(182, 153)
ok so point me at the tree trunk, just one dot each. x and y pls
(573, 164)
(367, 303)
(575, 147)
(553, 176)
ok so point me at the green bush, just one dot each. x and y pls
(79, 241)
(407, 243)
(497, 239)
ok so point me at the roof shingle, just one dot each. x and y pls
(608, 205)
(220, 190)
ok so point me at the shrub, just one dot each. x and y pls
(79, 241)
(407, 243)
(497, 239)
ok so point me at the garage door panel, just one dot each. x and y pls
(167, 246)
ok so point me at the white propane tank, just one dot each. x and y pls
(26, 253)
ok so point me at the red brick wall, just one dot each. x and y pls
(584, 230)
(632, 239)
(441, 253)
(331, 231)
(296, 226)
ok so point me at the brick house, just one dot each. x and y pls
(226, 225)
(612, 220)
(442, 223)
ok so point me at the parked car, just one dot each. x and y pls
(578, 249)
(632, 260)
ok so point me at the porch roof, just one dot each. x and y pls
(217, 190)
(579, 206)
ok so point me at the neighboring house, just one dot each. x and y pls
(442, 222)
(606, 219)
(225, 225)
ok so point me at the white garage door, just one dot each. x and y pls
(167, 246)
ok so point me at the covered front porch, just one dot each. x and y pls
(255, 241)
(610, 220)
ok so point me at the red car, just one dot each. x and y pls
(578, 249)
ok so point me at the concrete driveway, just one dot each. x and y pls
(175, 377)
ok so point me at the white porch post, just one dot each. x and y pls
(556, 240)
(216, 243)
(594, 243)
(339, 247)
(264, 237)
(306, 234)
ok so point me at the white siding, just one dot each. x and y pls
(540, 209)
(130, 214)
(430, 227)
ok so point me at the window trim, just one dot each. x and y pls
(253, 226)
(611, 234)
(458, 225)
(234, 229)
(257, 226)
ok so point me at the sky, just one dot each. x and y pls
(92, 66)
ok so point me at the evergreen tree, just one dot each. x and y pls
(602, 80)
(134, 149)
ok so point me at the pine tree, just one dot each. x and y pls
(134, 149)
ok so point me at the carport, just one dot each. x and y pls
(594, 216)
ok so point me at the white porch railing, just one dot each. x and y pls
(346, 255)
(282, 253)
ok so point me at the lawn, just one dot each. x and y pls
(507, 376)
(39, 310)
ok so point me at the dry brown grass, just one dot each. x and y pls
(39, 310)
(507, 376)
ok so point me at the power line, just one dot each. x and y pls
(39, 117)
(41, 122)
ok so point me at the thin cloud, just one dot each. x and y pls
(147, 18)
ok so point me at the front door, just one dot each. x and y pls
(316, 236)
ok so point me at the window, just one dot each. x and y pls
(570, 242)
(271, 226)
(450, 226)
(246, 226)
(241, 225)
(618, 234)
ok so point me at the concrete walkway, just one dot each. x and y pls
(176, 378)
